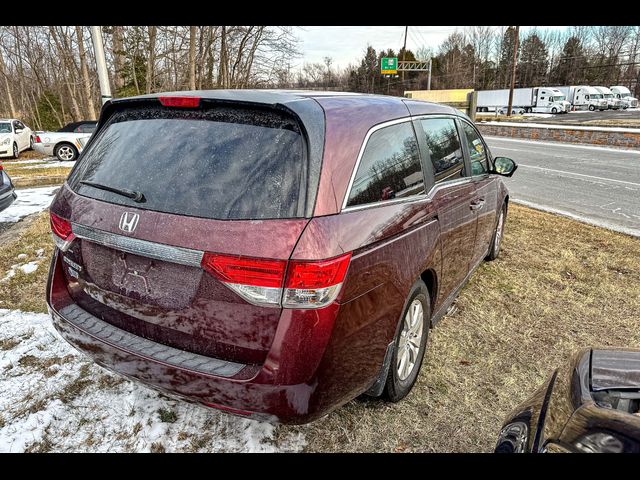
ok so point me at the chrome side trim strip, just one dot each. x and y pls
(361, 153)
(144, 248)
(158, 352)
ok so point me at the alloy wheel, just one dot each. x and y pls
(66, 153)
(410, 338)
(499, 228)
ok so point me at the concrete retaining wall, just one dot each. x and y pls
(618, 137)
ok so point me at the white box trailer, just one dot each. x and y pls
(624, 94)
(584, 97)
(535, 99)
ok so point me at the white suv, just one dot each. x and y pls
(15, 137)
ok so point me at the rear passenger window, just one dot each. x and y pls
(389, 168)
(445, 150)
(477, 153)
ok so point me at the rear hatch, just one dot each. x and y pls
(158, 189)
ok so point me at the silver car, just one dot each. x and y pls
(65, 144)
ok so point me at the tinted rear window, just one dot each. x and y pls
(223, 163)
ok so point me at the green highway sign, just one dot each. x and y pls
(389, 66)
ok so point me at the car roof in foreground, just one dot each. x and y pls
(283, 97)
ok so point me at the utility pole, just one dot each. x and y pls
(404, 51)
(101, 64)
(513, 72)
(429, 77)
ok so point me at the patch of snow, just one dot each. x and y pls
(11, 273)
(51, 396)
(53, 164)
(29, 267)
(40, 252)
(30, 200)
(19, 162)
(22, 256)
(539, 115)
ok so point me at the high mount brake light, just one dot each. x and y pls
(61, 231)
(180, 102)
(304, 284)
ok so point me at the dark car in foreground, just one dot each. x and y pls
(591, 404)
(273, 254)
(7, 190)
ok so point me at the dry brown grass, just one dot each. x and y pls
(26, 291)
(24, 177)
(557, 286)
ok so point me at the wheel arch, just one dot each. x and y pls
(430, 279)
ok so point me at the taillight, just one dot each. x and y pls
(304, 284)
(180, 102)
(61, 230)
(37, 140)
(314, 284)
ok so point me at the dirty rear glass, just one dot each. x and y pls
(222, 163)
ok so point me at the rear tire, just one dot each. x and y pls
(409, 344)
(65, 152)
(496, 240)
(554, 110)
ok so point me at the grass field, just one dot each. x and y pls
(34, 173)
(557, 286)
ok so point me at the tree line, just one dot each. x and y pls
(481, 57)
(48, 74)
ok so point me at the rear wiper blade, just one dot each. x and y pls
(137, 197)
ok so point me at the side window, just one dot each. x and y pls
(389, 168)
(16, 125)
(477, 152)
(444, 146)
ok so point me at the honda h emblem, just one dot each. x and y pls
(128, 222)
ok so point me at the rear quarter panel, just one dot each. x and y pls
(392, 245)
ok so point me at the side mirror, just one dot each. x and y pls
(19, 130)
(504, 166)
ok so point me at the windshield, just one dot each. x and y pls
(608, 95)
(596, 95)
(225, 163)
(559, 98)
(5, 127)
(625, 95)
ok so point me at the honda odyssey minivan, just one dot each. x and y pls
(273, 254)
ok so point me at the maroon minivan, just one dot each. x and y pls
(273, 254)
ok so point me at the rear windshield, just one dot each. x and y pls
(222, 163)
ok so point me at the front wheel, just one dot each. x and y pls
(410, 343)
(65, 152)
(16, 152)
(592, 108)
(497, 234)
(554, 110)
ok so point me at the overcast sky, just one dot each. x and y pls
(347, 44)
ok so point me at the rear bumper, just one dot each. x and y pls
(295, 385)
(43, 149)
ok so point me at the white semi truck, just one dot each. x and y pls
(537, 99)
(624, 94)
(583, 97)
(613, 103)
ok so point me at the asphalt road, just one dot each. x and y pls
(587, 116)
(596, 185)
